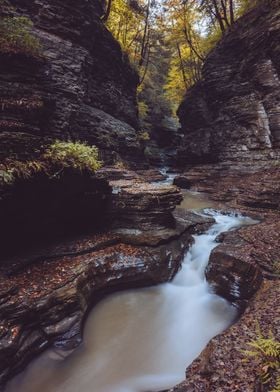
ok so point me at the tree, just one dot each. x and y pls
(168, 42)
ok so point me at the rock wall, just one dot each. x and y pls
(81, 86)
(46, 292)
(233, 113)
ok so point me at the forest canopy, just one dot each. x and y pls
(167, 41)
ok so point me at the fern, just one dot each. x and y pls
(16, 36)
(77, 155)
(266, 351)
(59, 155)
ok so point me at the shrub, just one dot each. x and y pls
(77, 155)
(143, 110)
(58, 156)
(16, 36)
(11, 170)
(266, 353)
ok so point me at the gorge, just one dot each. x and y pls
(73, 237)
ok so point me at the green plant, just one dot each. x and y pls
(120, 165)
(11, 170)
(144, 136)
(59, 155)
(143, 110)
(16, 36)
(266, 352)
(276, 266)
(77, 155)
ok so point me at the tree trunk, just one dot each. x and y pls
(146, 66)
(231, 10)
(219, 16)
(144, 40)
(108, 10)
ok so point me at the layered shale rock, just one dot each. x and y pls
(80, 85)
(46, 292)
(231, 124)
(233, 113)
(244, 269)
(257, 192)
(223, 365)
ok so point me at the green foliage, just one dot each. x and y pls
(174, 37)
(276, 266)
(16, 36)
(266, 352)
(143, 110)
(14, 169)
(154, 105)
(126, 24)
(144, 136)
(59, 155)
(76, 155)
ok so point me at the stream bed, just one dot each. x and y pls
(143, 340)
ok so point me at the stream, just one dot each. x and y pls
(143, 340)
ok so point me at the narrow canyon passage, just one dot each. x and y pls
(142, 340)
(112, 113)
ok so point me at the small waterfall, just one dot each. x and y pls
(142, 340)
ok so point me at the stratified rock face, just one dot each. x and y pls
(81, 86)
(45, 295)
(234, 112)
(224, 366)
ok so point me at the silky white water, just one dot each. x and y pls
(141, 340)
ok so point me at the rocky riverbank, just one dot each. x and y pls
(244, 268)
(46, 292)
(223, 365)
(230, 121)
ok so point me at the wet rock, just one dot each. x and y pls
(182, 182)
(115, 173)
(233, 113)
(133, 238)
(44, 300)
(139, 205)
(152, 175)
(230, 121)
(242, 269)
(223, 365)
(183, 221)
(256, 190)
(231, 277)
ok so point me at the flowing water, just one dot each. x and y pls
(142, 340)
